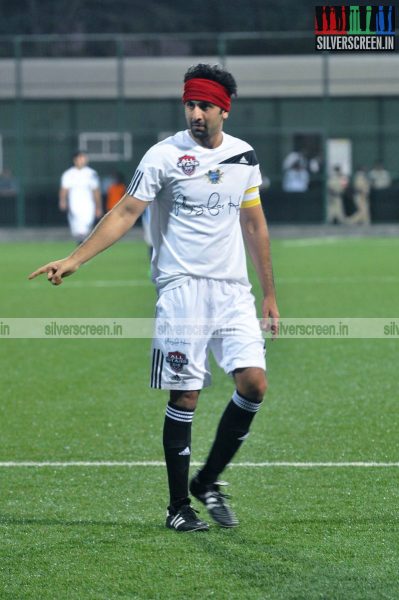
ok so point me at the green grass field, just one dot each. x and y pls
(90, 532)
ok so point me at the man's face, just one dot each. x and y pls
(80, 161)
(204, 119)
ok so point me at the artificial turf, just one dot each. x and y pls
(78, 532)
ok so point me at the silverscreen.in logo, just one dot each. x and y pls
(355, 28)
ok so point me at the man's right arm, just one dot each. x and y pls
(110, 229)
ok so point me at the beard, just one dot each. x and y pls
(199, 131)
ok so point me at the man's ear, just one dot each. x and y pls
(225, 114)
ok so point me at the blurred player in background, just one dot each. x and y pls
(203, 186)
(80, 196)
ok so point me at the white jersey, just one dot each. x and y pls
(196, 196)
(80, 184)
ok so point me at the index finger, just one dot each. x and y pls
(44, 269)
(50, 269)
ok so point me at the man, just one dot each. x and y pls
(202, 186)
(296, 178)
(361, 198)
(80, 195)
(336, 186)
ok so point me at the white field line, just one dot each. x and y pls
(315, 241)
(156, 463)
(344, 279)
(331, 239)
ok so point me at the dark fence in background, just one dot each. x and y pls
(302, 106)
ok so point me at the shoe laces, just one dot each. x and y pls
(215, 490)
(188, 510)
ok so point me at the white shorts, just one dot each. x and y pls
(81, 221)
(204, 315)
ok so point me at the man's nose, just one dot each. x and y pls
(197, 113)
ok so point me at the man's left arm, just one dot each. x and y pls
(256, 236)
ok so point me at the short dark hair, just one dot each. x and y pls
(214, 73)
(78, 153)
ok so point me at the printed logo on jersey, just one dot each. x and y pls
(177, 360)
(214, 176)
(187, 164)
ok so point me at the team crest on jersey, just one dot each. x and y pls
(187, 164)
(177, 360)
(215, 176)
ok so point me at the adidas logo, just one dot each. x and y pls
(185, 452)
(177, 521)
(243, 161)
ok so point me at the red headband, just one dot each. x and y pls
(207, 90)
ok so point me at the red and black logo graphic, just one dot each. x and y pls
(177, 360)
(355, 28)
(187, 164)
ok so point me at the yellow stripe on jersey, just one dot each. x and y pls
(252, 190)
(250, 203)
(251, 194)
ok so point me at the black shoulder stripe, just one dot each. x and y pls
(134, 184)
(248, 159)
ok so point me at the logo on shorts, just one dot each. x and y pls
(215, 176)
(187, 164)
(177, 360)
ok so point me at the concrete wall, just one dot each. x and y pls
(257, 77)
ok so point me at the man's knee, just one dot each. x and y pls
(184, 399)
(251, 383)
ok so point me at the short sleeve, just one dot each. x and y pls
(65, 180)
(147, 181)
(255, 178)
(251, 195)
(94, 182)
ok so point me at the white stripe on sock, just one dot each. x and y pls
(244, 403)
(179, 415)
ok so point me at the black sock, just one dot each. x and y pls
(177, 448)
(232, 431)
